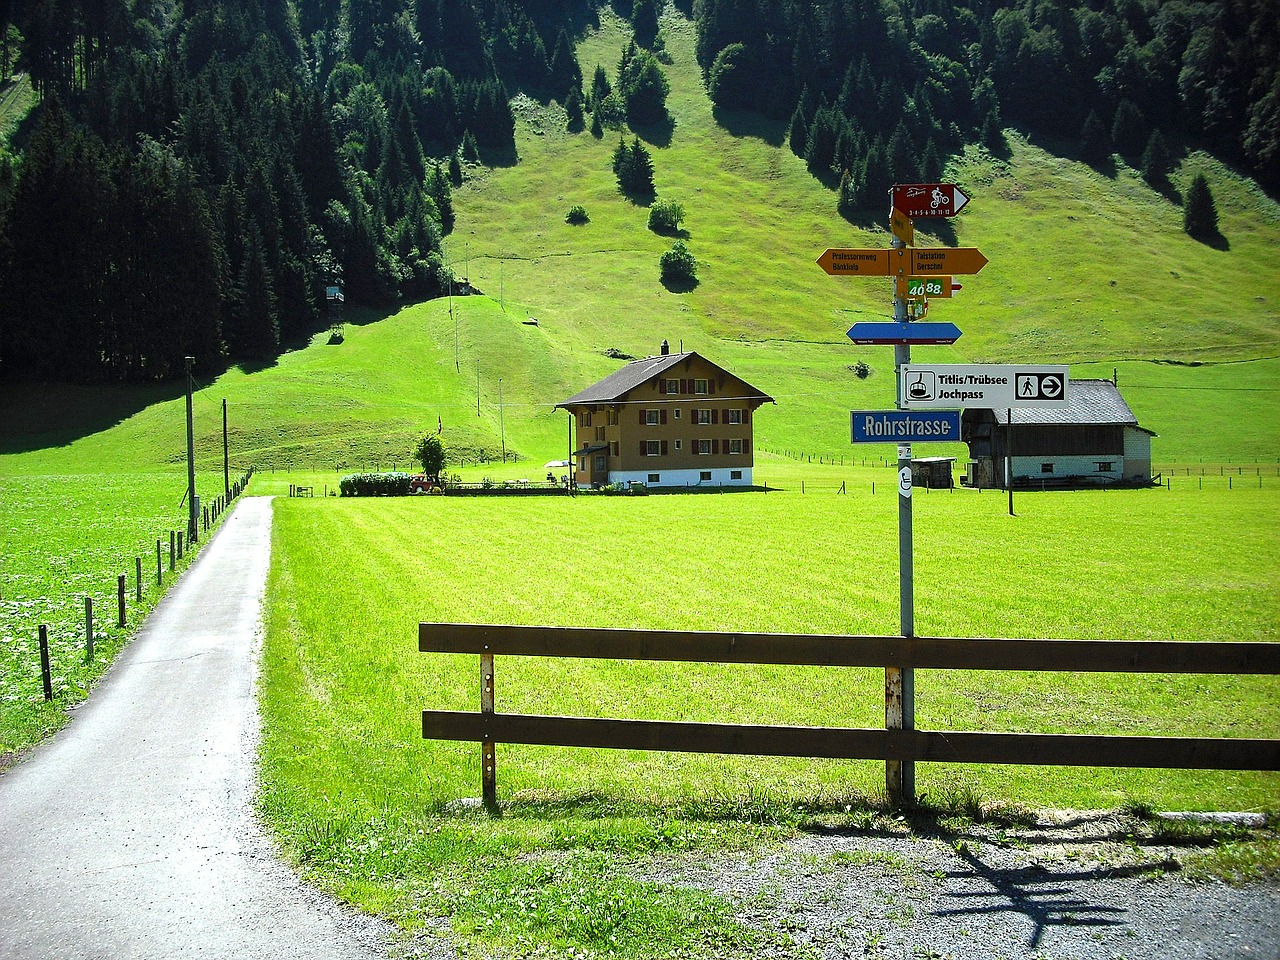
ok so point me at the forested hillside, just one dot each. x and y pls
(198, 171)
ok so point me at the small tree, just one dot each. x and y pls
(1156, 158)
(665, 216)
(573, 110)
(577, 215)
(1200, 214)
(431, 454)
(677, 265)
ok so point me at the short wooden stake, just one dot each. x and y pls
(120, 587)
(173, 550)
(179, 544)
(137, 578)
(88, 629)
(159, 568)
(45, 675)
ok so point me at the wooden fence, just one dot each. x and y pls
(1106, 656)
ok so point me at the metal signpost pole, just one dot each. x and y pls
(899, 682)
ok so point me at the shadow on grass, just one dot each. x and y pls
(680, 285)
(1213, 240)
(748, 123)
(41, 416)
(657, 134)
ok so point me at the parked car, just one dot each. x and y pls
(421, 483)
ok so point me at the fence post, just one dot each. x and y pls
(488, 756)
(179, 544)
(159, 566)
(137, 578)
(88, 629)
(173, 550)
(120, 580)
(44, 662)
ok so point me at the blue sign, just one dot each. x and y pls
(901, 331)
(905, 426)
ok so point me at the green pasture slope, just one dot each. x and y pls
(1088, 269)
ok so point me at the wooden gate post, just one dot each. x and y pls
(488, 764)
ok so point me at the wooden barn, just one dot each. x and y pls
(1094, 441)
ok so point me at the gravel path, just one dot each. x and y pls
(1056, 891)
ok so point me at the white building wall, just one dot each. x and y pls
(720, 477)
(1137, 454)
(1085, 467)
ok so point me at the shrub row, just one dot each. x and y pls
(375, 485)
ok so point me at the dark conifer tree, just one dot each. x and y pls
(1199, 212)
(1156, 159)
(1095, 142)
(644, 22)
(573, 110)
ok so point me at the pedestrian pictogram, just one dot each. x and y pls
(1040, 386)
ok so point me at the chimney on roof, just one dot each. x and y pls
(666, 348)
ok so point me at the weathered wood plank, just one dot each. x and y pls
(1093, 656)
(1196, 753)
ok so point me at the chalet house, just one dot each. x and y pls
(674, 420)
(1094, 441)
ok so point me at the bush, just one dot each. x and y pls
(430, 452)
(374, 485)
(665, 216)
(677, 265)
(577, 215)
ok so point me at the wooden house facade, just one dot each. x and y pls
(674, 420)
(1094, 441)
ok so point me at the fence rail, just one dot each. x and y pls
(1110, 656)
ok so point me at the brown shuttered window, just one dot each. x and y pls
(662, 417)
(715, 415)
(642, 448)
(662, 386)
(684, 386)
(746, 415)
(715, 446)
(664, 448)
(725, 414)
(642, 418)
(711, 385)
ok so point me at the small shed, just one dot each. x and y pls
(933, 472)
(1093, 441)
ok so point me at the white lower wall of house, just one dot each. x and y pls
(720, 477)
(1074, 466)
(1137, 454)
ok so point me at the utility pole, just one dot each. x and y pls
(193, 511)
(502, 423)
(226, 462)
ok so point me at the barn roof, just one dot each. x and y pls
(1089, 403)
(636, 373)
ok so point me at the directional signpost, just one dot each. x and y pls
(903, 332)
(917, 200)
(988, 386)
(919, 273)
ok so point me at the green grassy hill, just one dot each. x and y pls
(1088, 269)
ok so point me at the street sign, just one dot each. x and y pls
(936, 261)
(899, 331)
(902, 226)
(991, 386)
(904, 426)
(857, 263)
(919, 288)
(928, 199)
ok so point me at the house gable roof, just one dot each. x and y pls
(1089, 403)
(618, 384)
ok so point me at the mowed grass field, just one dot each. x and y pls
(370, 810)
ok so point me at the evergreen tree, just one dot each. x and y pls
(1156, 158)
(1128, 129)
(644, 87)
(644, 22)
(1095, 142)
(573, 110)
(599, 88)
(597, 130)
(1199, 212)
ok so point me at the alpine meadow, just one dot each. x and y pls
(374, 221)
